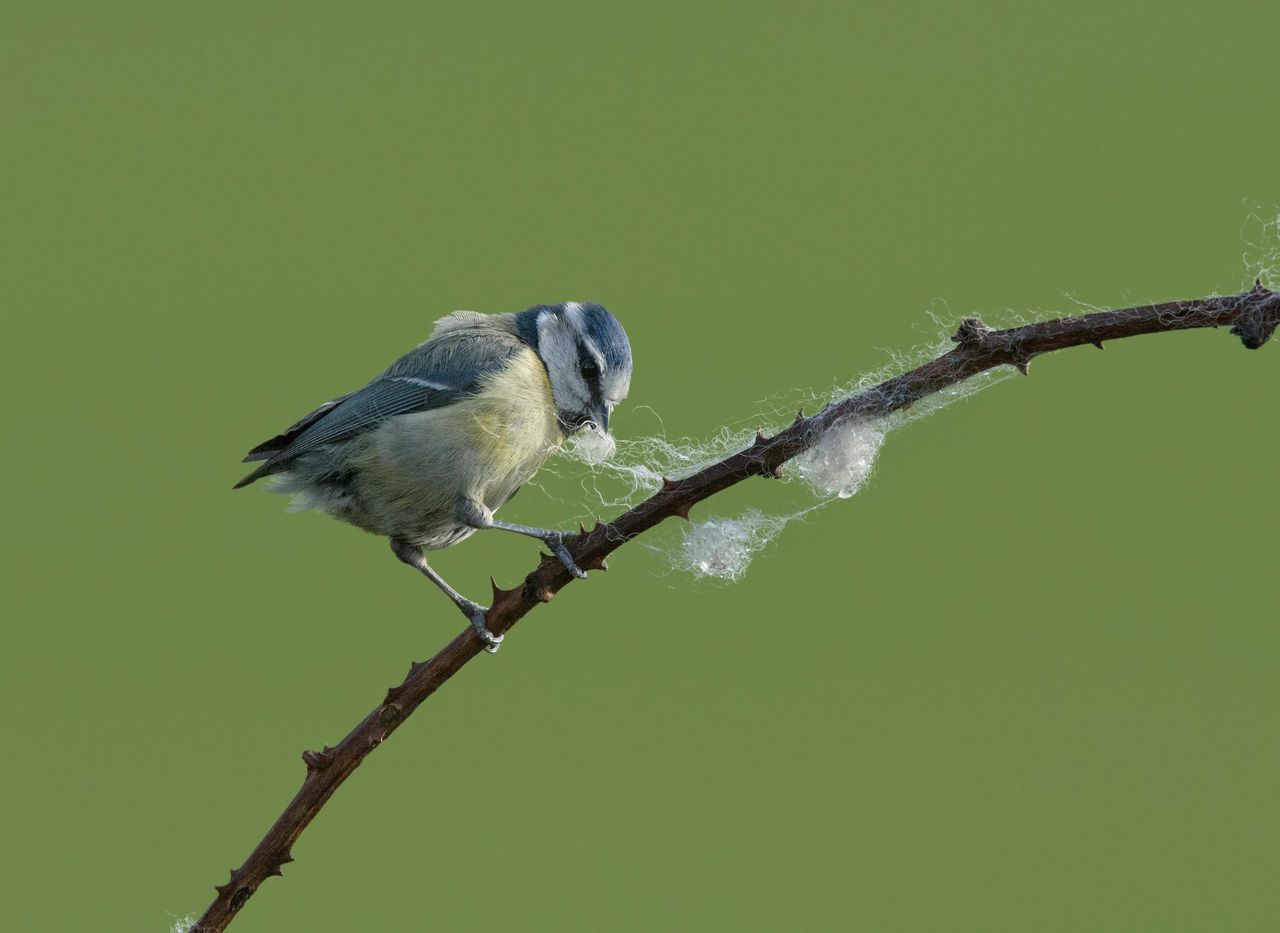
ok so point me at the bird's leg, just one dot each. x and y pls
(479, 516)
(414, 557)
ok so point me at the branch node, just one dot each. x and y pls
(238, 899)
(971, 332)
(1259, 316)
(390, 713)
(318, 761)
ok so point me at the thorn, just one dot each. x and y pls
(226, 889)
(582, 529)
(274, 871)
(393, 694)
(596, 527)
(1022, 365)
(760, 438)
(682, 509)
(287, 857)
(593, 563)
(497, 592)
(669, 484)
(799, 416)
(1098, 344)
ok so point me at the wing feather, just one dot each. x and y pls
(452, 365)
(381, 399)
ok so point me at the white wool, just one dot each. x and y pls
(592, 447)
(1261, 238)
(723, 547)
(842, 459)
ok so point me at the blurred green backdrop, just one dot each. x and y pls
(1027, 680)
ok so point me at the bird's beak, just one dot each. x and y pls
(600, 417)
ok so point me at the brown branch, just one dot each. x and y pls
(1253, 317)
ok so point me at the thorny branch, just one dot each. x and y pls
(1252, 316)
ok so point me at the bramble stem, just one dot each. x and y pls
(1252, 316)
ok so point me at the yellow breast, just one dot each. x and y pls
(512, 420)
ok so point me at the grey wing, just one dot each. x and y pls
(438, 373)
(381, 399)
(269, 448)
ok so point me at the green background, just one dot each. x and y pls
(1027, 680)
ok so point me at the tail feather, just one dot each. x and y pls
(275, 449)
(265, 470)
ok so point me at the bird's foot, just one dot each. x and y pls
(491, 641)
(469, 513)
(555, 541)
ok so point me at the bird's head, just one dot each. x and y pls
(588, 358)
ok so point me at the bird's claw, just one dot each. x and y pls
(491, 641)
(555, 541)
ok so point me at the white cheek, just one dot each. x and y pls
(576, 395)
(560, 353)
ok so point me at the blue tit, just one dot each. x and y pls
(427, 452)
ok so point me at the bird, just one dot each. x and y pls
(428, 451)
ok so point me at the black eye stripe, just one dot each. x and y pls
(587, 364)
